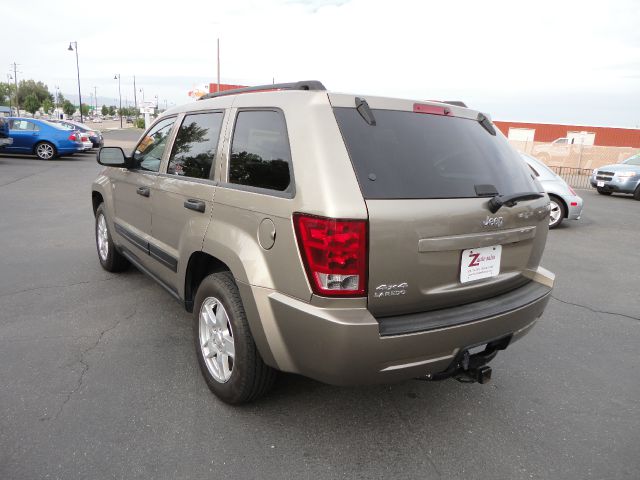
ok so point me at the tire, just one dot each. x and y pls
(602, 191)
(45, 151)
(110, 259)
(636, 194)
(220, 327)
(557, 213)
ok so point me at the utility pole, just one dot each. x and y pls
(135, 99)
(95, 95)
(8, 81)
(218, 65)
(15, 79)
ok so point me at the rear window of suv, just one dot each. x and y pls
(416, 155)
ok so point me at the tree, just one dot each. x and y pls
(31, 103)
(6, 92)
(68, 108)
(84, 109)
(31, 87)
(112, 110)
(105, 110)
(47, 105)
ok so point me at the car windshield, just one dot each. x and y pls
(635, 160)
(538, 166)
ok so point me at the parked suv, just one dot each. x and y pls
(347, 238)
(621, 177)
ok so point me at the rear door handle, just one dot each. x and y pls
(144, 191)
(197, 205)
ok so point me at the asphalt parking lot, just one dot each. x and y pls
(99, 379)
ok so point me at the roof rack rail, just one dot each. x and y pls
(457, 103)
(302, 85)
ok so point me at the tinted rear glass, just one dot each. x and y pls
(415, 155)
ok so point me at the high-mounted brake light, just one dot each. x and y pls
(334, 253)
(431, 109)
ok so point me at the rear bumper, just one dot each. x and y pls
(349, 347)
(574, 207)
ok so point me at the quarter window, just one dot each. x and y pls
(194, 149)
(260, 154)
(148, 153)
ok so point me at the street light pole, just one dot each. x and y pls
(135, 99)
(75, 44)
(117, 75)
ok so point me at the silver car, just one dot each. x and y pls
(618, 178)
(565, 203)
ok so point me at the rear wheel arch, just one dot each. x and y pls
(564, 204)
(200, 265)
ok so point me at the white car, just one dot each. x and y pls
(565, 203)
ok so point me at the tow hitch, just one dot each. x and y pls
(471, 367)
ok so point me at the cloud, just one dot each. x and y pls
(461, 49)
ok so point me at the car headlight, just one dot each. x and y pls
(625, 174)
(595, 171)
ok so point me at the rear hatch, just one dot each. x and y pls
(426, 172)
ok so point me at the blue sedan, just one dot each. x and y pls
(41, 138)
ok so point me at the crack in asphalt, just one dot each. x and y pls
(58, 286)
(85, 365)
(594, 310)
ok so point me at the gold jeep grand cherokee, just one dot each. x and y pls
(352, 239)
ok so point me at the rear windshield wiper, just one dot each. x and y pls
(510, 200)
(486, 124)
(365, 112)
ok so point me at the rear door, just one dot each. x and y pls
(25, 134)
(183, 200)
(433, 243)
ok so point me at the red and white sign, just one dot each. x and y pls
(479, 263)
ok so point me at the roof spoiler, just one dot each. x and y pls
(302, 85)
(457, 103)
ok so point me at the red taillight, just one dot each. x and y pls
(573, 192)
(84, 139)
(72, 137)
(334, 253)
(430, 109)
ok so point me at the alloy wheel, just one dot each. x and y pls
(103, 238)
(216, 339)
(44, 151)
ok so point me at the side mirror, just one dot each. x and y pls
(112, 157)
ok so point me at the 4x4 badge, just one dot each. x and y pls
(493, 221)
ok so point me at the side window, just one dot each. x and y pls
(260, 154)
(23, 126)
(148, 153)
(194, 149)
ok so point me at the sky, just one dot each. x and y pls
(551, 61)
